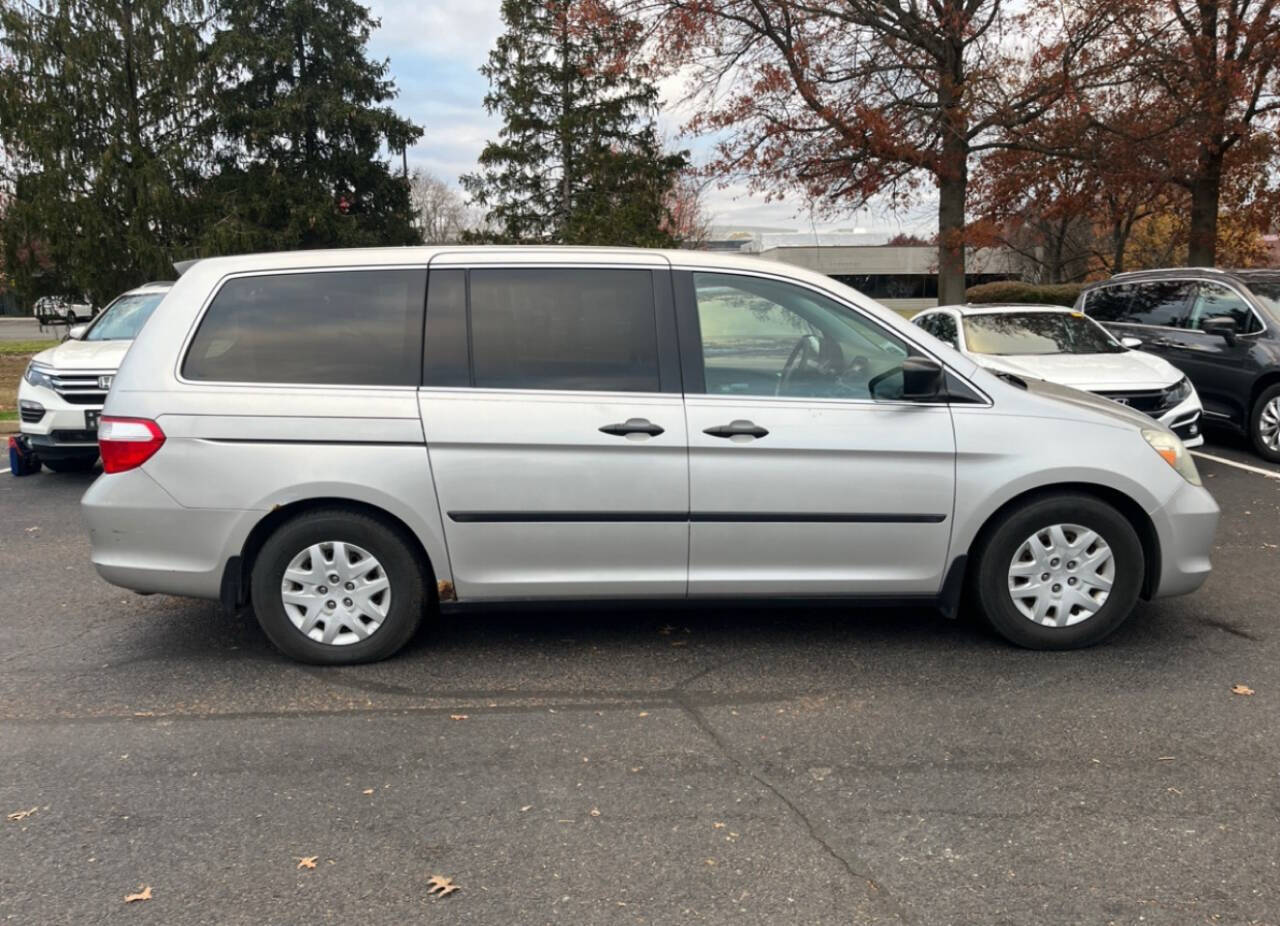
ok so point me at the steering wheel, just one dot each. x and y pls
(806, 350)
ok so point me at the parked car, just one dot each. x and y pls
(602, 424)
(61, 394)
(1064, 346)
(61, 310)
(1221, 328)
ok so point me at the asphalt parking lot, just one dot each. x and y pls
(685, 765)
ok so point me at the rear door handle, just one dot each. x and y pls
(633, 426)
(737, 428)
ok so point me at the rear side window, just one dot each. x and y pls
(1162, 303)
(1109, 304)
(358, 328)
(574, 329)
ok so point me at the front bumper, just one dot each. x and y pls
(55, 428)
(144, 540)
(1185, 526)
(1184, 420)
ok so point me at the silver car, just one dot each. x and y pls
(349, 440)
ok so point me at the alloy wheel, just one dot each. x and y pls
(1269, 425)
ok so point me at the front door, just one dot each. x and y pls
(556, 441)
(800, 482)
(1222, 372)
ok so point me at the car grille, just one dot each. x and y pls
(1149, 401)
(80, 388)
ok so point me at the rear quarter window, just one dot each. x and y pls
(350, 327)
(1109, 303)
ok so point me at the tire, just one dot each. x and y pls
(1068, 621)
(1264, 424)
(397, 562)
(72, 465)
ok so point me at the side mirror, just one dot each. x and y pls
(1222, 325)
(76, 332)
(1131, 343)
(919, 379)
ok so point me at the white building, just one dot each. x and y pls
(904, 278)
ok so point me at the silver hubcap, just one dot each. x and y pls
(1061, 575)
(1269, 425)
(336, 593)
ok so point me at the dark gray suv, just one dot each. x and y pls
(1220, 327)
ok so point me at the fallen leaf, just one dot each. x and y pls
(595, 811)
(1242, 690)
(526, 807)
(32, 529)
(440, 886)
(21, 814)
(307, 862)
(458, 717)
(144, 893)
(367, 791)
(644, 713)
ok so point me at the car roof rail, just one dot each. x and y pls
(1152, 270)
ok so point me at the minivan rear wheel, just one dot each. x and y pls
(337, 586)
(1264, 424)
(1061, 572)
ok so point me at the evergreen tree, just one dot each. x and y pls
(302, 131)
(98, 113)
(578, 159)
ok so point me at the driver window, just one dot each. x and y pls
(763, 337)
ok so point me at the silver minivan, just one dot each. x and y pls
(349, 440)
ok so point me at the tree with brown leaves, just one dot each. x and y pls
(843, 100)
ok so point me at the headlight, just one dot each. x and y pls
(1178, 392)
(37, 377)
(1172, 452)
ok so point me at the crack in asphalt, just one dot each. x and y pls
(855, 868)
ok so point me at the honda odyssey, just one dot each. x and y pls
(348, 440)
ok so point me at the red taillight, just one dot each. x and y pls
(127, 443)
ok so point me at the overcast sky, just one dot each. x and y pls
(436, 49)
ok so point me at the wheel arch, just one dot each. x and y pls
(236, 574)
(1260, 385)
(1130, 509)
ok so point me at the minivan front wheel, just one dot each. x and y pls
(336, 587)
(1061, 572)
(1264, 424)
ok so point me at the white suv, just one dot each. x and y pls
(62, 392)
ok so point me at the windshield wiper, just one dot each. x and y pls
(1010, 378)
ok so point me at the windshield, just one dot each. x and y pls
(124, 318)
(1037, 333)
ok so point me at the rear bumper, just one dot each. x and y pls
(1185, 525)
(144, 540)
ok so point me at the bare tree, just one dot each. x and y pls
(440, 212)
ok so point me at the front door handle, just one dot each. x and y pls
(633, 426)
(737, 428)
